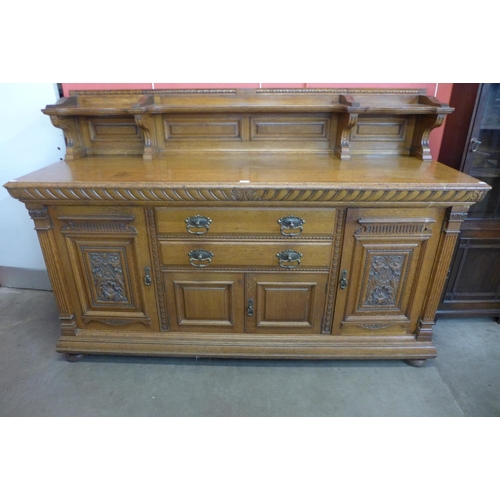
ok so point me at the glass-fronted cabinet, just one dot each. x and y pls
(483, 162)
(471, 143)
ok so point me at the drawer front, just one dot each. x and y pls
(295, 222)
(242, 254)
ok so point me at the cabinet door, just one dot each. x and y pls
(386, 261)
(285, 302)
(109, 267)
(204, 301)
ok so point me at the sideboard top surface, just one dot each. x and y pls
(243, 171)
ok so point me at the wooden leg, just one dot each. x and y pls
(415, 362)
(497, 319)
(74, 357)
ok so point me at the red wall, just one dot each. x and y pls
(440, 90)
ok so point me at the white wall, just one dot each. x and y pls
(28, 141)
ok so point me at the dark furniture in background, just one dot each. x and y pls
(471, 144)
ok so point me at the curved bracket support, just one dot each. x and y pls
(424, 126)
(74, 145)
(147, 125)
(346, 123)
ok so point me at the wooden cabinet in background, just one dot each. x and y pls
(471, 144)
(267, 223)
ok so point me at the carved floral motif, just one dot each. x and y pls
(108, 276)
(383, 280)
(245, 195)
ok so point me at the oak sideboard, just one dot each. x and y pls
(262, 223)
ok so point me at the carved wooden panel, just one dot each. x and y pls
(291, 303)
(374, 134)
(108, 275)
(385, 263)
(208, 127)
(205, 302)
(373, 129)
(263, 131)
(290, 128)
(112, 129)
(385, 273)
(109, 135)
(106, 278)
(108, 260)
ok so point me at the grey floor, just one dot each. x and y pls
(464, 380)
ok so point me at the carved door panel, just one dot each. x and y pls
(109, 266)
(386, 260)
(285, 302)
(205, 301)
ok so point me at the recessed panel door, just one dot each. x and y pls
(110, 267)
(285, 303)
(201, 301)
(386, 261)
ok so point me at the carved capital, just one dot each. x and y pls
(38, 213)
(456, 216)
(40, 216)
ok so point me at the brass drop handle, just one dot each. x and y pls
(200, 258)
(291, 225)
(343, 280)
(147, 276)
(200, 223)
(289, 259)
(474, 144)
(250, 307)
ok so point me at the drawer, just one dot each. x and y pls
(245, 221)
(241, 254)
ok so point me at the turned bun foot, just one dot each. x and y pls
(74, 357)
(415, 362)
